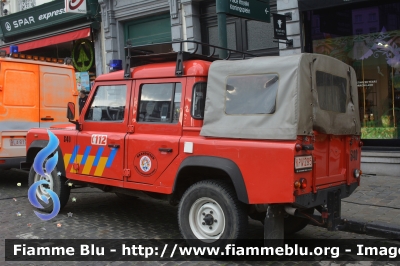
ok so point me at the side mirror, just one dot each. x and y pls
(71, 115)
(71, 111)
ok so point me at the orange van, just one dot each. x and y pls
(33, 93)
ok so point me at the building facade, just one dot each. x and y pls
(45, 28)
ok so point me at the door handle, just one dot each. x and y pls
(165, 149)
(116, 146)
(47, 118)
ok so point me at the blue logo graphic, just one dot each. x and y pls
(51, 163)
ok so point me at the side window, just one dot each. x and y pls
(251, 94)
(199, 100)
(108, 104)
(160, 103)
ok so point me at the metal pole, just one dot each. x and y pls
(222, 35)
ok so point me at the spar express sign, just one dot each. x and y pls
(21, 22)
(42, 16)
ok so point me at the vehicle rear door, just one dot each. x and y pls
(336, 153)
(157, 117)
(19, 105)
(57, 88)
(100, 146)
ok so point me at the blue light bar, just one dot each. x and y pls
(115, 65)
(13, 49)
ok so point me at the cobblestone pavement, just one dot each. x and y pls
(99, 215)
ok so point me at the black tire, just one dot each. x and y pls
(58, 186)
(213, 202)
(294, 224)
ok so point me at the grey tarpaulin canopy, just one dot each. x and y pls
(297, 107)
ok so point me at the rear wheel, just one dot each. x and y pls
(56, 183)
(210, 214)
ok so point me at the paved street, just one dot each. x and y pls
(99, 215)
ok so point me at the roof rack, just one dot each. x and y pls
(142, 57)
(66, 61)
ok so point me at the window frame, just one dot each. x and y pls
(193, 100)
(172, 107)
(92, 99)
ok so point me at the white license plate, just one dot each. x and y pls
(303, 163)
(17, 142)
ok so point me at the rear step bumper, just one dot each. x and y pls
(321, 197)
(9, 163)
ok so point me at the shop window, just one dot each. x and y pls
(259, 35)
(231, 34)
(153, 29)
(375, 57)
(160, 103)
(252, 94)
(372, 17)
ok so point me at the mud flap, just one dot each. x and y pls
(334, 210)
(273, 226)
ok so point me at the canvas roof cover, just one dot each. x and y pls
(285, 103)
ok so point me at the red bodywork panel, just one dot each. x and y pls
(146, 156)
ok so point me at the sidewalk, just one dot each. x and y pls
(376, 200)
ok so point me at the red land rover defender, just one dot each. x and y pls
(271, 138)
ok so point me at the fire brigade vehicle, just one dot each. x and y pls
(276, 139)
(34, 91)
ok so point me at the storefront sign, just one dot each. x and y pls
(75, 6)
(26, 4)
(279, 27)
(82, 55)
(252, 9)
(366, 83)
(35, 18)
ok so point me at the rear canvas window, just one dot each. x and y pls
(332, 91)
(251, 94)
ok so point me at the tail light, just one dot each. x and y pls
(302, 183)
(360, 144)
(298, 147)
(357, 173)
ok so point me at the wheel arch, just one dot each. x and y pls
(38, 145)
(193, 168)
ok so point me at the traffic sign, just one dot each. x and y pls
(251, 9)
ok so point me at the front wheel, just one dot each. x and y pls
(210, 214)
(56, 184)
